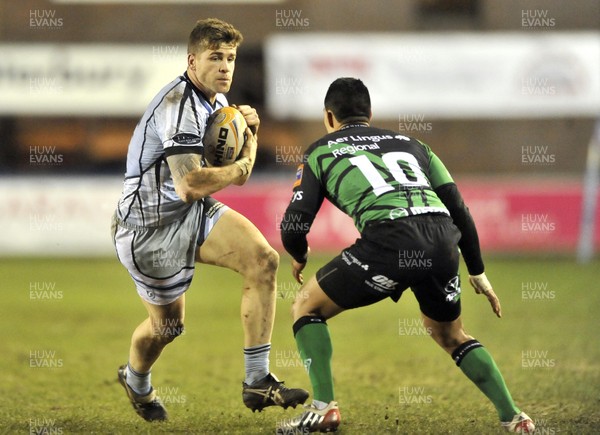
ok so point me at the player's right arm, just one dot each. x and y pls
(194, 182)
(448, 192)
(179, 123)
(445, 188)
(295, 224)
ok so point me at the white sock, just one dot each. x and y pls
(319, 405)
(256, 362)
(138, 382)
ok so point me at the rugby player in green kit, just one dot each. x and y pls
(405, 204)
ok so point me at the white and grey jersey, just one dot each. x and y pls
(173, 123)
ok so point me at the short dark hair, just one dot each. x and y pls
(348, 98)
(211, 33)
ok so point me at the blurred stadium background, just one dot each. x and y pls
(506, 92)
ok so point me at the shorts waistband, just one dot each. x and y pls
(429, 217)
(129, 226)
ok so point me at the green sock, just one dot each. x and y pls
(479, 366)
(314, 345)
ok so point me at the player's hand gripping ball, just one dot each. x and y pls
(224, 136)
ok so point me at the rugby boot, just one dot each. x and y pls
(521, 423)
(270, 391)
(148, 406)
(312, 420)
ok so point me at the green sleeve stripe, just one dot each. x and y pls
(438, 173)
(314, 168)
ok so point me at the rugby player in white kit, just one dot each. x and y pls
(166, 221)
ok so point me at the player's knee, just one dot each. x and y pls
(296, 309)
(305, 305)
(165, 331)
(269, 257)
(446, 338)
(262, 264)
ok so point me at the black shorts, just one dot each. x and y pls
(420, 252)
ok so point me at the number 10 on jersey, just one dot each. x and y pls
(401, 165)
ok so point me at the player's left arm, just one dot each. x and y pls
(180, 127)
(194, 182)
(448, 192)
(298, 218)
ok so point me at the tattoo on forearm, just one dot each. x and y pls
(184, 164)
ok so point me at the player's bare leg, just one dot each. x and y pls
(479, 366)
(163, 325)
(449, 335)
(311, 300)
(311, 308)
(235, 243)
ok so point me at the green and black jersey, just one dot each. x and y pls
(372, 174)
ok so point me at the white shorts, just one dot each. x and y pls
(161, 260)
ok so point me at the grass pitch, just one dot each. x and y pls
(66, 325)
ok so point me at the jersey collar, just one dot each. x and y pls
(201, 94)
(346, 126)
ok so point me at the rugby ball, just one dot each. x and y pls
(224, 136)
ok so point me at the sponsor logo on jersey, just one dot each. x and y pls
(398, 213)
(423, 210)
(358, 138)
(187, 139)
(299, 173)
(452, 290)
(352, 149)
(297, 195)
(401, 212)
